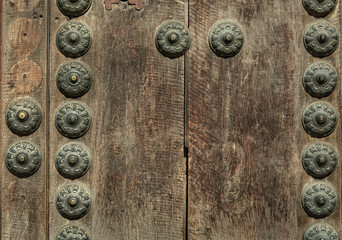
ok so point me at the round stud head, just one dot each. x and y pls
(23, 159)
(226, 39)
(320, 231)
(73, 202)
(74, 8)
(72, 160)
(73, 119)
(73, 39)
(319, 8)
(321, 39)
(319, 119)
(319, 200)
(23, 116)
(74, 79)
(173, 39)
(73, 232)
(320, 79)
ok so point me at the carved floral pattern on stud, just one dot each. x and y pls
(319, 8)
(74, 79)
(73, 119)
(23, 116)
(319, 160)
(73, 39)
(23, 159)
(73, 202)
(319, 119)
(173, 39)
(73, 232)
(226, 39)
(319, 200)
(74, 8)
(72, 160)
(139, 4)
(321, 39)
(319, 231)
(320, 79)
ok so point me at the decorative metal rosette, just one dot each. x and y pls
(23, 159)
(73, 39)
(320, 231)
(23, 116)
(320, 79)
(173, 39)
(74, 79)
(319, 200)
(73, 232)
(321, 39)
(73, 119)
(319, 8)
(73, 202)
(319, 119)
(74, 8)
(226, 39)
(72, 160)
(319, 160)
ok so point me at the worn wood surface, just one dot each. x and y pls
(23, 74)
(245, 133)
(137, 177)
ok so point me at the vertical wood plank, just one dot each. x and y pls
(23, 71)
(245, 135)
(137, 177)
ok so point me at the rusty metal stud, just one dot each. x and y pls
(319, 200)
(73, 202)
(74, 8)
(320, 231)
(320, 79)
(73, 39)
(319, 119)
(23, 116)
(173, 39)
(319, 160)
(321, 39)
(72, 160)
(23, 159)
(73, 232)
(73, 119)
(319, 8)
(226, 39)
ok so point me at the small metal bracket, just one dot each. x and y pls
(139, 4)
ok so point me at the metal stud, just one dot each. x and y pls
(320, 231)
(23, 159)
(321, 39)
(319, 8)
(73, 232)
(320, 79)
(226, 39)
(73, 202)
(74, 79)
(73, 39)
(23, 116)
(72, 160)
(319, 119)
(319, 200)
(73, 119)
(173, 39)
(74, 8)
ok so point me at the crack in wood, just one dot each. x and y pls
(139, 4)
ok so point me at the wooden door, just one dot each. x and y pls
(197, 146)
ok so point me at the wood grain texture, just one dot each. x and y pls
(245, 135)
(137, 177)
(23, 71)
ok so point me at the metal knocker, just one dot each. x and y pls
(74, 8)
(319, 200)
(319, 8)
(226, 39)
(320, 231)
(321, 39)
(73, 39)
(73, 202)
(73, 232)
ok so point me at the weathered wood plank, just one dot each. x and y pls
(23, 71)
(137, 177)
(245, 133)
